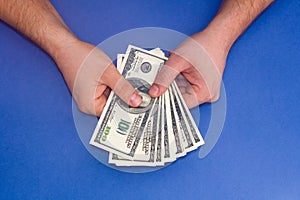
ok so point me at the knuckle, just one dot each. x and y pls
(215, 97)
(83, 109)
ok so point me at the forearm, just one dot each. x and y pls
(39, 21)
(233, 18)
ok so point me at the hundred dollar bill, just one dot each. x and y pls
(172, 149)
(174, 137)
(146, 154)
(120, 127)
(186, 118)
(177, 113)
(158, 158)
(146, 151)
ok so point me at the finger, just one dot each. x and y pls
(99, 105)
(107, 92)
(189, 94)
(167, 75)
(190, 99)
(122, 88)
(102, 93)
(194, 96)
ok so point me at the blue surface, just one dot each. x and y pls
(256, 157)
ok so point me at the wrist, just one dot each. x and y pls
(69, 57)
(216, 47)
(221, 34)
(56, 43)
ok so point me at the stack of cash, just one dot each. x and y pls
(157, 132)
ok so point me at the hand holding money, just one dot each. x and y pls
(91, 81)
(200, 64)
(160, 130)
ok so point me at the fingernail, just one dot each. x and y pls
(154, 90)
(135, 99)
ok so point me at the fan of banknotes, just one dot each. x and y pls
(157, 132)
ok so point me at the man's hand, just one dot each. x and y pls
(90, 74)
(200, 60)
(200, 68)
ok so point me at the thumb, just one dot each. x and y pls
(122, 88)
(166, 75)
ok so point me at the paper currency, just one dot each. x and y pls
(159, 131)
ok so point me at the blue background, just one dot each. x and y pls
(256, 157)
